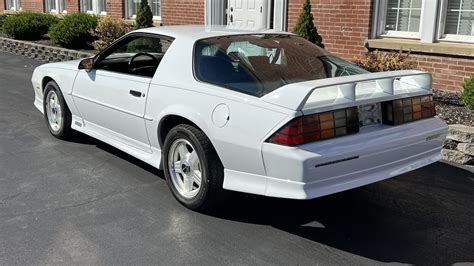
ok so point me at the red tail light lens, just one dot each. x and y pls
(315, 127)
(409, 109)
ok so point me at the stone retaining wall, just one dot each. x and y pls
(459, 145)
(40, 52)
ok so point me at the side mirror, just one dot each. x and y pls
(87, 64)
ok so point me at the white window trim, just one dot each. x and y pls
(432, 24)
(95, 9)
(381, 16)
(16, 6)
(57, 4)
(134, 16)
(441, 36)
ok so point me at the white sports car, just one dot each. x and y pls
(267, 113)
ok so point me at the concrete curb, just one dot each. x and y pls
(40, 52)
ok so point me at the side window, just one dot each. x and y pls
(137, 55)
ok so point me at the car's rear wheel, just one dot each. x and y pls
(192, 168)
(56, 112)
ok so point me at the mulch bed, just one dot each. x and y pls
(451, 109)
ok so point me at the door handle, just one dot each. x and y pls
(135, 93)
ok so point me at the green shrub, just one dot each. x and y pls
(108, 30)
(28, 26)
(467, 93)
(305, 26)
(377, 61)
(2, 19)
(74, 31)
(144, 16)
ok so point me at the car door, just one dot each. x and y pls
(111, 97)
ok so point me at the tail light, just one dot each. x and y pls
(315, 127)
(409, 109)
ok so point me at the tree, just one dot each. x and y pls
(305, 26)
(144, 16)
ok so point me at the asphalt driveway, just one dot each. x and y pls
(85, 202)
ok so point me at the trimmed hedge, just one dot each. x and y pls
(467, 94)
(28, 25)
(74, 31)
(2, 19)
(144, 16)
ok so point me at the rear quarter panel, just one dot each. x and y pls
(175, 91)
(238, 143)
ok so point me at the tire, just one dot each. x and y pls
(58, 118)
(210, 192)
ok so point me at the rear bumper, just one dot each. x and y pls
(326, 167)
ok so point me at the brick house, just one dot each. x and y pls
(440, 33)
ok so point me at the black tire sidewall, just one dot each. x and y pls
(197, 202)
(52, 86)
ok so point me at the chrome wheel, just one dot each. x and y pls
(54, 111)
(184, 168)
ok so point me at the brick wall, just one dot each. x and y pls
(2, 5)
(343, 24)
(449, 72)
(175, 12)
(116, 8)
(72, 6)
(32, 5)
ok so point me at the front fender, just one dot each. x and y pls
(64, 77)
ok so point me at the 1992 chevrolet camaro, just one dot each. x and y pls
(266, 113)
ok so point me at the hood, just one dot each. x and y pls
(70, 65)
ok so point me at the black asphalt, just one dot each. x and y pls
(84, 202)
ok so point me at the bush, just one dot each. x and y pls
(2, 19)
(467, 93)
(74, 31)
(108, 30)
(28, 26)
(144, 16)
(305, 26)
(377, 61)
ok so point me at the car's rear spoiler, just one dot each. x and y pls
(341, 92)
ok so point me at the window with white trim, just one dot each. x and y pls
(55, 6)
(131, 8)
(427, 20)
(401, 18)
(14, 5)
(97, 7)
(457, 19)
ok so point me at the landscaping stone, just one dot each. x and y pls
(457, 157)
(467, 148)
(450, 144)
(461, 133)
(41, 52)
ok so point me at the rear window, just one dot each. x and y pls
(260, 64)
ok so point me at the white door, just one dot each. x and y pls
(108, 107)
(111, 97)
(248, 14)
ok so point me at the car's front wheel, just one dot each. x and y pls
(56, 112)
(192, 168)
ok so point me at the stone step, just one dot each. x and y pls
(467, 148)
(461, 133)
(457, 157)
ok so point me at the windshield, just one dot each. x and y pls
(260, 64)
